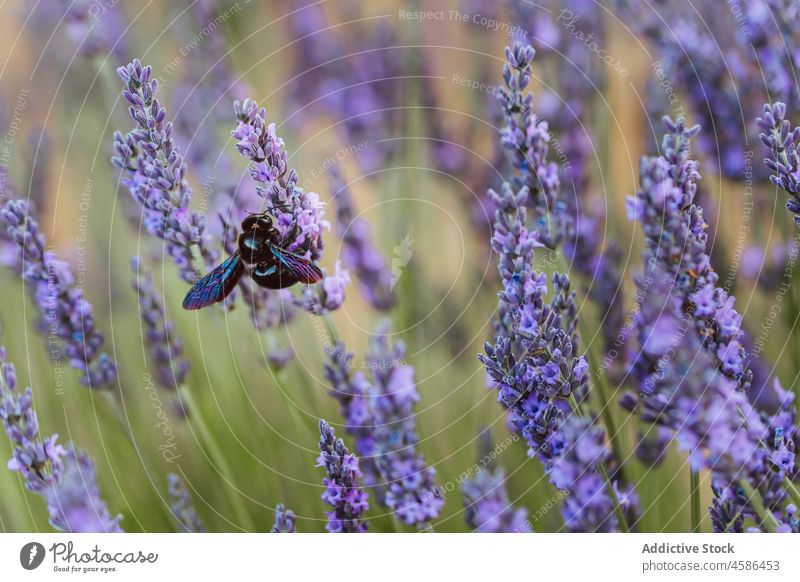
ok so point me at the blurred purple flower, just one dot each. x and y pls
(342, 490)
(183, 511)
(74, 502)
(783, 144)
(284, 520)
(358, 252)
(723, 70)
(93, 29)
(358, 83)
(675, 237)
(65, 314)
(487, 508)
(712, 418)
(64, 477)
(170, 366)
(38, 460)
(327, 296)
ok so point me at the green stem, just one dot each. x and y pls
(330, 327)
(754, 499)
(694, 491)
(602, 391)
(216, 453)
(793, 492)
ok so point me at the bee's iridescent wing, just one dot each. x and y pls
(302, 269)
(216, 285)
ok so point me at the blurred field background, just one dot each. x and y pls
(251, 438)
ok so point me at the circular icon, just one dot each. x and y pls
(31, 555)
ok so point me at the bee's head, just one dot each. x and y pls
(258, 222)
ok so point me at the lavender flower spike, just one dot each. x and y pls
(676, 239)
(527, 139)
(165, 348)
(64, 477)
(381, 418)
(342, 491)
(783, 143)
(411, 489)
(327, 296)
(284, 520)
(298, 214)
(67, 318)
(75, 504)
(155, 173)
(358, 252)
(183, 510)
(38, 460)
(487, 508)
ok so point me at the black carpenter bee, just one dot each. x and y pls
(260, 253)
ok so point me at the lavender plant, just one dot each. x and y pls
(359, 85)
(74, 503)
(783, 144)
(284, 520)
(342, 491)
(155, 174)
(692, 366)
(380, 417)
(63, 476)
(166, 350)
(183, 511)
(723, 94)
(534, 362)
(675, 234)
(358, 253)
(66, 317)
(487, 508)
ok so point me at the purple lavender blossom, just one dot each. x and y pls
(342, 491)
(38, 460)
(724, 72)
(534, 362)
(284, 520)
(64, 477)
(65, 314)
(327, 296)
(713, 420)
(381, 418)
(183, 510)
(358, 84)
(579, 448)
(208, 80)
(527, 138)
(410, 486)
(676, 239)
(487, 508)
(783, 143)
(93, 29)
(278, 358)
(358, 252)
(155, 174)
(298, 214)
(74, 502)
(170, 366)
